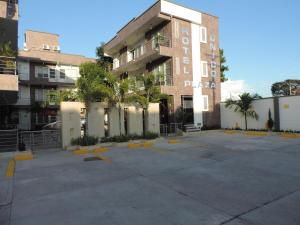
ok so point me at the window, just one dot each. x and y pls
(203, 34)
(39, 95)
(52, 73)
(205, 103)
(204, 69)
(164, 70)
(62, 74)
(42, 72)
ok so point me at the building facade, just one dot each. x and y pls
(43, 72)
(8, 73)
(182, 44)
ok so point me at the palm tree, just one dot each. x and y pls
(7, 50)
(147, 90)
(91, 86)
(119, 93)
(244, 106)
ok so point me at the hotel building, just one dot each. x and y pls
(182, 44)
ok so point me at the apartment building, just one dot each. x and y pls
(8, 73)
(43, 71)
(182, 44)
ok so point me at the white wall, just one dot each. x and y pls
(181, 12)
(289, 108)
(72, 74)
(231, 119)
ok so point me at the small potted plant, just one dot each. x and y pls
(270, 122)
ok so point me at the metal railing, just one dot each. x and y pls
(8, 65)
(147, 46)
(43, 139)
(9, 141)
(170, 129)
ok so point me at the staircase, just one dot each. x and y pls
(191, 128)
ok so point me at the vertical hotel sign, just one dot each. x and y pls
(213, 63)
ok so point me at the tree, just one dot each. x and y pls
(285, 88)
(244, 106)
(92, 86)
(104, 61)
(147, 90)
(224, 68)
(119, 93)
(6, 49)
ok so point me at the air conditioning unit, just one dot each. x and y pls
(56, 48)
(46, 47)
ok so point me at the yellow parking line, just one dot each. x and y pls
(80, 151)
(173, 141)
(256, 133)
(290, 135)
(23, 156)
(100, 150)
(134, 145)
(11, 168)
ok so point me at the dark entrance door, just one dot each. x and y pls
(164, 111)
(188, 110)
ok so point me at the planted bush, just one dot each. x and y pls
(85, 141)
(125, 138)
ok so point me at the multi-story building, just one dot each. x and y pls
(182, 44)
(43, 72)
(8, 73)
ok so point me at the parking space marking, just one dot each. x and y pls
(10, 168)
(23, 156)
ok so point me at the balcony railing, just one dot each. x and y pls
(8, 65)
(147, 46)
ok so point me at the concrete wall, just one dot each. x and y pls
(96, 120)
(71, 126)
(135, 120)
(70, 117)
(152, 121)
(289, 111)
(288, 114)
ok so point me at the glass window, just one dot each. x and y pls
(52, 73)
(205, 103)
(62, 74)
(204, 69)
(203, 34)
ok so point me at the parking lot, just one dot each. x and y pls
(208, 178)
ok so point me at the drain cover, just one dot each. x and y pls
(88, 159)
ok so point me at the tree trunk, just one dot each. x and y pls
(120, 124)
(246, 122)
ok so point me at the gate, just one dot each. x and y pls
(9, 140)
(170, 129)
(40, 140)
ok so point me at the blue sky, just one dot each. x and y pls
(260, 37)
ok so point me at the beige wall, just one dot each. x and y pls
(35, 40)
(289, 109)
(96, 120)
(9, 83)
(70, 117)
(113, 121)
(231, 119)
(152, 121)
(71, 127)
(135, 120)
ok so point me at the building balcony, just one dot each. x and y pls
(159, 46)
(9, 83)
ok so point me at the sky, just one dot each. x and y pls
(260, 37)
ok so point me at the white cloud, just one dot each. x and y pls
(231, 89)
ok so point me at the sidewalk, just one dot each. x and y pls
(6, 191)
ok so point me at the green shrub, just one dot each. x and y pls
(125, 138)
(85, 141)
(150, 135)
